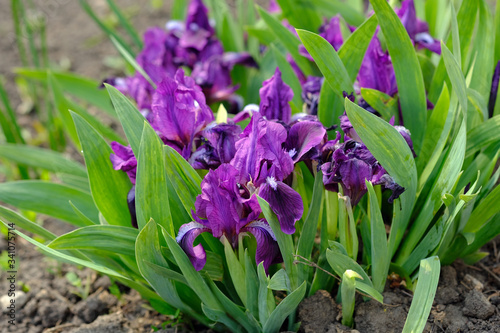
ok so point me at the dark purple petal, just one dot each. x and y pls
(198, 28)
(123, 159)
(389, 183)
(284, 201)
(310, 93)
(353, 173)
(332, 33)
(186, 236)
(407, 136)
(303, 136)
(219, 146)
(220, 206)
(376, 70)
(239, 58)
(494, 90)
(274, 98)
(417, 29)
(131, 207)
(296, 69)
(180, 112)
(267, 247)
(348, 129)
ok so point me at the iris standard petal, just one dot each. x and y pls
(274, 98)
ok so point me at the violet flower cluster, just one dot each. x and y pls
(190, 44)
(376, 71)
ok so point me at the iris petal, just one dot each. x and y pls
(186, 236)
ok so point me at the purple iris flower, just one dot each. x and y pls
(198, 28)
(263, 164)
(218, 147)
(224, 209)
(123, 159)
(417, 29)
(376, 70)
(350, 163)
(213, 74)
(274, 98)
(494, 90)
(310, 93)
(180, 112)
(193, 45)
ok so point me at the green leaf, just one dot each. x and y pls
(42, 158)
(483, 47)
(443, 184)
(50, 199)
(483, 135)
(328, 62)
(64, 106)
(487, 208)
(69, 258)
(379, 251)
(300, 14)
(266, 300)
(125, 23)
(456, 77)
(129, 57)
(436, 136)
(78, 86)
(352, 51)
(193, 278)
(285, 241)
(407, 68)
(236, 271)
(348, 292)
(252, 282)
(333, 7)
(244, 318)
(340, 262)
(147, 249)
(109, 187)
(428, 278)
(289, 41)
(330, 106)
(131, 119)
(392, 152)
(112, 238)
(310, 227)
(286, 307)
(151, 192)
(280, 281)
(184, 179)
(9, 216)
(386, 105)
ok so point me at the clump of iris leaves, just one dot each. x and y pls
(269, 154)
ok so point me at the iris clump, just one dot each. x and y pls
(307, 172)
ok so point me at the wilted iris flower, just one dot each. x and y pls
(350, 163)
(218, 146)
(227, 210)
